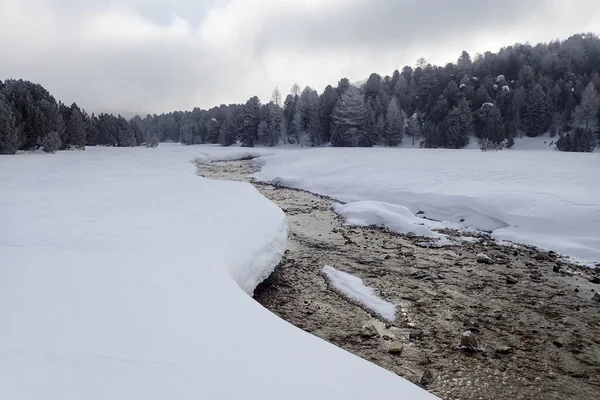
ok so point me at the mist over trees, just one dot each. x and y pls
(521, 90)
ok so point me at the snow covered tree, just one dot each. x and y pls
(276, 97)
(264, 134)
(456, 127)
(51, 142)
(76, 132)
(153, 141)
(348, 118)
(228, 131)
(583, 140)
(295, 91)
(369, 138)
(395, 123)
(536, 116)
(490, 125)
(306, 119)
(9, 135)
(250, 122)
(125, 136)
(289, 111)
(379, 129)
(276, 124)
(327, 102)
(586, 113)
(413, 128)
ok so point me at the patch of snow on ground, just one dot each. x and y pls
(354, 288)
(395, 217)
(124, 275)
(543, 198)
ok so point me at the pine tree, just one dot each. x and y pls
(456, 127)
(327, 103)
(536, 118)
(9, 135)
(583, 140)
(289, 111)
(125, 136)
(348, 118)
(369, 133)
(276, 97)
(264, 134)
(413, 128)
(76, 130)
(228, 132)
(586, 113)
(490, 125)
(481, 97)
(395, 121)
(250, 122)
(379, 129)
(153, 141)
(51, 142)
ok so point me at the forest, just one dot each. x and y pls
(521, 90)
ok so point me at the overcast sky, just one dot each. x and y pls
(140, 56)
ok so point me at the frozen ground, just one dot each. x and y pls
(543, 198)
(124, 275)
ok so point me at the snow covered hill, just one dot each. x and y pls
(544, 198)
(125, 276)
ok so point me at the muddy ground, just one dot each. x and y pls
(536, 324)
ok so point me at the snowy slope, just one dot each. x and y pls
(125, 276)
(545, 198)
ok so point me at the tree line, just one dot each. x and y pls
(30, 118)
(494, 97)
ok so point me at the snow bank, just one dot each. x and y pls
(124, 275)
(395, 217)
(355, 289)
(547, 199)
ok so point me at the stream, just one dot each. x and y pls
(532, 314)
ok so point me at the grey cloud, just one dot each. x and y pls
(155, 66)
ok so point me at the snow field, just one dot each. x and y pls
(124, 275)
(547, 199)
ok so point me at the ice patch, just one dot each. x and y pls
(355, 289)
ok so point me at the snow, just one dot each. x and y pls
(395, 217)
(548, 199)
(354, 288)
(125, 275)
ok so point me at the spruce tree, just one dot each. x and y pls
(395, 121)
(228, 131)
(348, 118)
(490, 124)
(327, 103)
(250, 122)
(368, 138)
(536, 117)
(9, 135)
(413, 128)
(586, 113)
(51, 142)
(76, 130)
